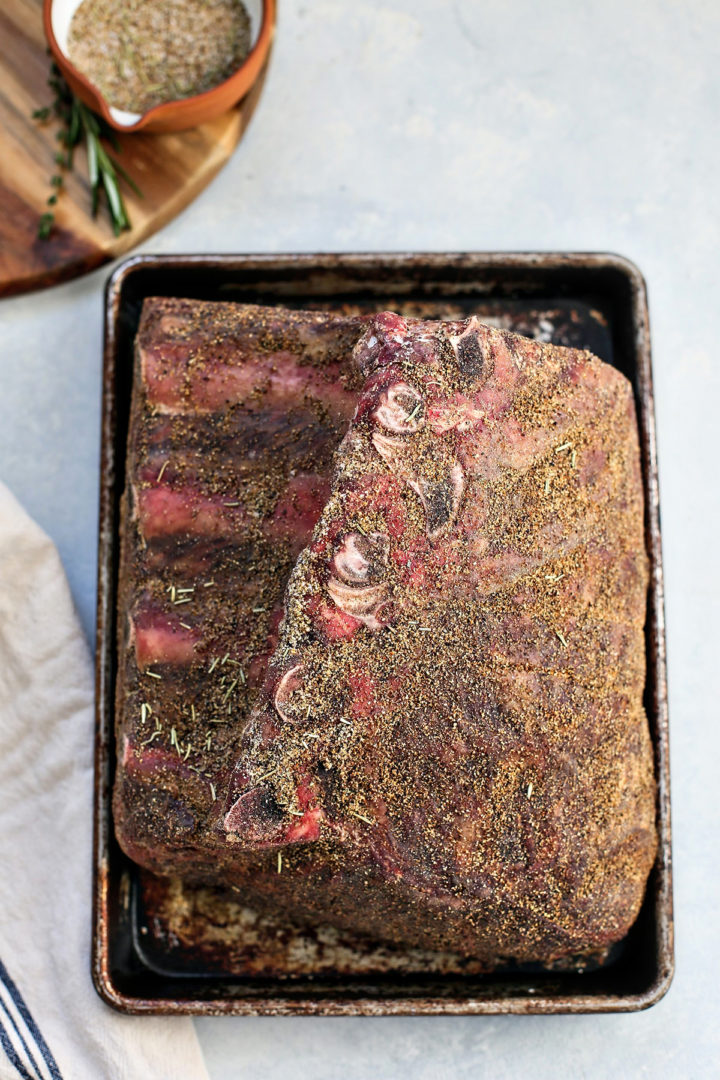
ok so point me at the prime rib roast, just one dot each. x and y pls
(442, 742)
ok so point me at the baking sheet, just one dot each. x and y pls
(165, 947)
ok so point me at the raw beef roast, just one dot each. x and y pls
(452, 720)
(448, 746)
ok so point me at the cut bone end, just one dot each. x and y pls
(256, 821)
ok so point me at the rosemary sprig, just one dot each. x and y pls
(79, 124)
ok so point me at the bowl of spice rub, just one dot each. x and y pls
(160, 66)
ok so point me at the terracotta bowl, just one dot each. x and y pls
(175, 115)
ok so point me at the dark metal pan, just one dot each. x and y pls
(140, 963)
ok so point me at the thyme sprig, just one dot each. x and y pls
(80, 124)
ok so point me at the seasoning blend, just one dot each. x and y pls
(140, 53)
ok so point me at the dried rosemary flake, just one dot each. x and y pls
(208, 740)
(153, 674)
(529, 791)
(213, 665)
(415, 411)
(163, 467)
(361, 817)
(186, 626)
(297, 813)
(565, 446)
(547, 485)
(213, 792)
(346, 722)
(183, 600)
(258, 610)
(230, 689)
(145, 711)
(279, 862)
(562, 637)
(573, 459)
(207, 584)
(186, 755)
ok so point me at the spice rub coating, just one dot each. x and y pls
(140, 53)
(236, 413)
(449, 748)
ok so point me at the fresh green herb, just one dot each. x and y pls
(45, 224)
(79, 124)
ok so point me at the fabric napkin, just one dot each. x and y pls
(52, 1023)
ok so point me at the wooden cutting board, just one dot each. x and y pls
(169, 169)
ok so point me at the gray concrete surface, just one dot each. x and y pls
(503, 124)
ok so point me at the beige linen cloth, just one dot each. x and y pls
(52, 1023)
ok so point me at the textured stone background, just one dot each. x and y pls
(421, 125)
